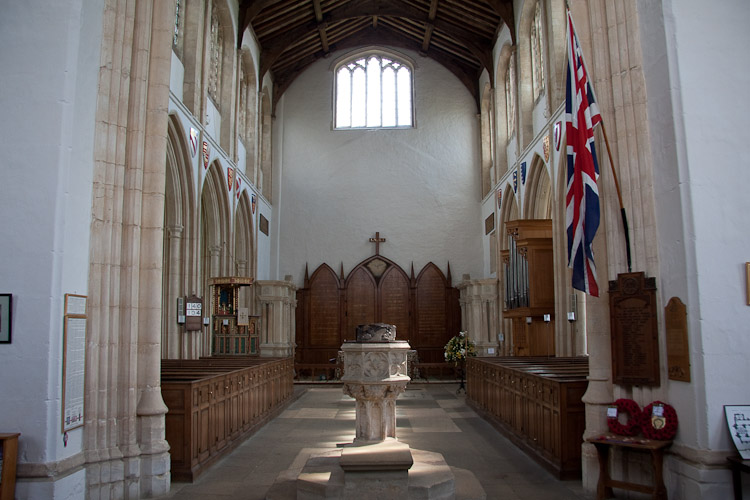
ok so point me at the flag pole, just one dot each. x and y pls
(619, 195)
(617, 184)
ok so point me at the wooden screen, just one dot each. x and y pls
(425, 309)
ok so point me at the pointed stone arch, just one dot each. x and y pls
(503, 132)
(179, 277)
(247, 116)
(228, 83)
(525, 125)
(215, 232)
(538, 191)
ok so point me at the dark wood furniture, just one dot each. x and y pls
(529, 287)
(656, 448)
(738, 466)
(424, 308)
(215, 403)
(9, 446)
(536, 402)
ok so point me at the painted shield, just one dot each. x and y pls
(206, 154)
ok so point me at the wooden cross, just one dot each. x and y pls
(377, 240)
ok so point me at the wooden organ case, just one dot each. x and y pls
(529, 287)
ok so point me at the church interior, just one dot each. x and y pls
(203, 200)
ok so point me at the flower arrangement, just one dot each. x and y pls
(459, 348)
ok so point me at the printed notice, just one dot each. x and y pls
(75, 305)
(74, 369)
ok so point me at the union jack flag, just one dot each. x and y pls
(582, 196)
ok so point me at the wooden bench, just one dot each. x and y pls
(9, 446)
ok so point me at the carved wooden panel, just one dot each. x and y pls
(431, 307)
(425, 310)
(360, 301)
(325, 308)
(635, 341)
(394, 301)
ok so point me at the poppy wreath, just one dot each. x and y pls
(633, 424)
(662, 428)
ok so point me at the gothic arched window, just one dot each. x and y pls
(373, 90)
(510, 97)
(537, 51)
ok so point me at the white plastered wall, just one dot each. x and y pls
(418, 187)
(48, 95)
(700, 84)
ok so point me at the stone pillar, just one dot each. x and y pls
(479, 313)
(278, 302)
(173, 337)
(124, 434)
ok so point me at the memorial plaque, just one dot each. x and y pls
(489, 224)
(360, 301)
(394, 301)
(678, 352)
(635, 339)
(431, 311)
(325, 309)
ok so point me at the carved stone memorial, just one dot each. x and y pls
(635, 339)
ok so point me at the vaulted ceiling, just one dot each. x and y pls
(459, 34)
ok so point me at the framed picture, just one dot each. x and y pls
(6, 317)
(738, 422)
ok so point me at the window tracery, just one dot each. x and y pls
(373, 91)
(510, 97)
(537, 52)
(216, 50)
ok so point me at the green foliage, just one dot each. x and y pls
(459, 348)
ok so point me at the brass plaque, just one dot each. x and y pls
(635, 339)
(489, 224)
(678, 351)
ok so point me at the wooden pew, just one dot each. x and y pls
(216, 403)
(536, 402)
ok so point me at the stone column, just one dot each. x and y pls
(479, 313)
(124, 434)
(278, 302)
(173, 337)
(154, 466)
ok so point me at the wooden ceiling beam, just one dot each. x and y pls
(430, 26)
(248, 9)
(504, 9)
(321, 26)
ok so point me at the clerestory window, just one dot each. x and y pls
(373, 90)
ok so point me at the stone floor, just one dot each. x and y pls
(430, 417)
